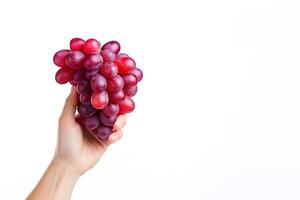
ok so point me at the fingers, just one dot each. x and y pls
(120, 123)
(69, 109)
(117, 134)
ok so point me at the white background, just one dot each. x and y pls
(217, 114)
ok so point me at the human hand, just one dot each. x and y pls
(76, 147)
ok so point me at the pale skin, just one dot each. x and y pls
(76, 152)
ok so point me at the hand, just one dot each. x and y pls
(76, 152)
(77, 147)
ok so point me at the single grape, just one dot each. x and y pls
(109, 70)
(99, 99)
(126, 106)
(115, 84)
(90, 73)
(115, 97)
(59, 58)
(92, 46)
(92, 122)
(112, 46)
(83, 87)
(98, 83)
(122, 55)
(108, 56)
(131, 90)
(75, 59)
(86, 110)
(129, 80)
(78, 75)
(63, 75)
(106, 119)
(77, 44)
(138, 74)
(111, 109)
(93, 61)
(103, 132)
(125, 65)
(85, 99)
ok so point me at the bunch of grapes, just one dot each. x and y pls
(105, 80)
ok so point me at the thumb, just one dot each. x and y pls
(69, 109)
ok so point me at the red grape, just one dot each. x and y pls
(105, 80)
(112, 46)
(77, 44)
(59, 58)
(103, 132)
(75, 59)
(92, 46)
(63, 75)
(106, 119)
(138, 74)
(83, 87)
(109, 70)
(90, 73)
(116, 96)
(115, 84)
(126, 106)
(98, 83)
(111, 109)
(108, 56)
(125, 65)
(93, 61)
(86, 110)
(85, 99)
(129, 80)
(99, 99)
(131, 90)
(92, 122)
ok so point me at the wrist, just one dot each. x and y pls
(64, 171)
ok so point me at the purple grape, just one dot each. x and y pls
(115, 84)
(111, 109)
(75, 59)
(103, 132)
(90, 73)
(115, 97)
(63, 75)
(83, 87)
(108, 56)
(138, 74)
(112, 46)
(106, 119)
(78, 75)
(85, 99)
(109, 70)
(93, 61)
(129, 80)
(98, 83)
(131, 90)
(86, 110)
(92, 122)
(59, 58)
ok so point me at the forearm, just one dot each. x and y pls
(57, 183)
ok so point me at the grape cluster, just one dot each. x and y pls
(105, 80)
